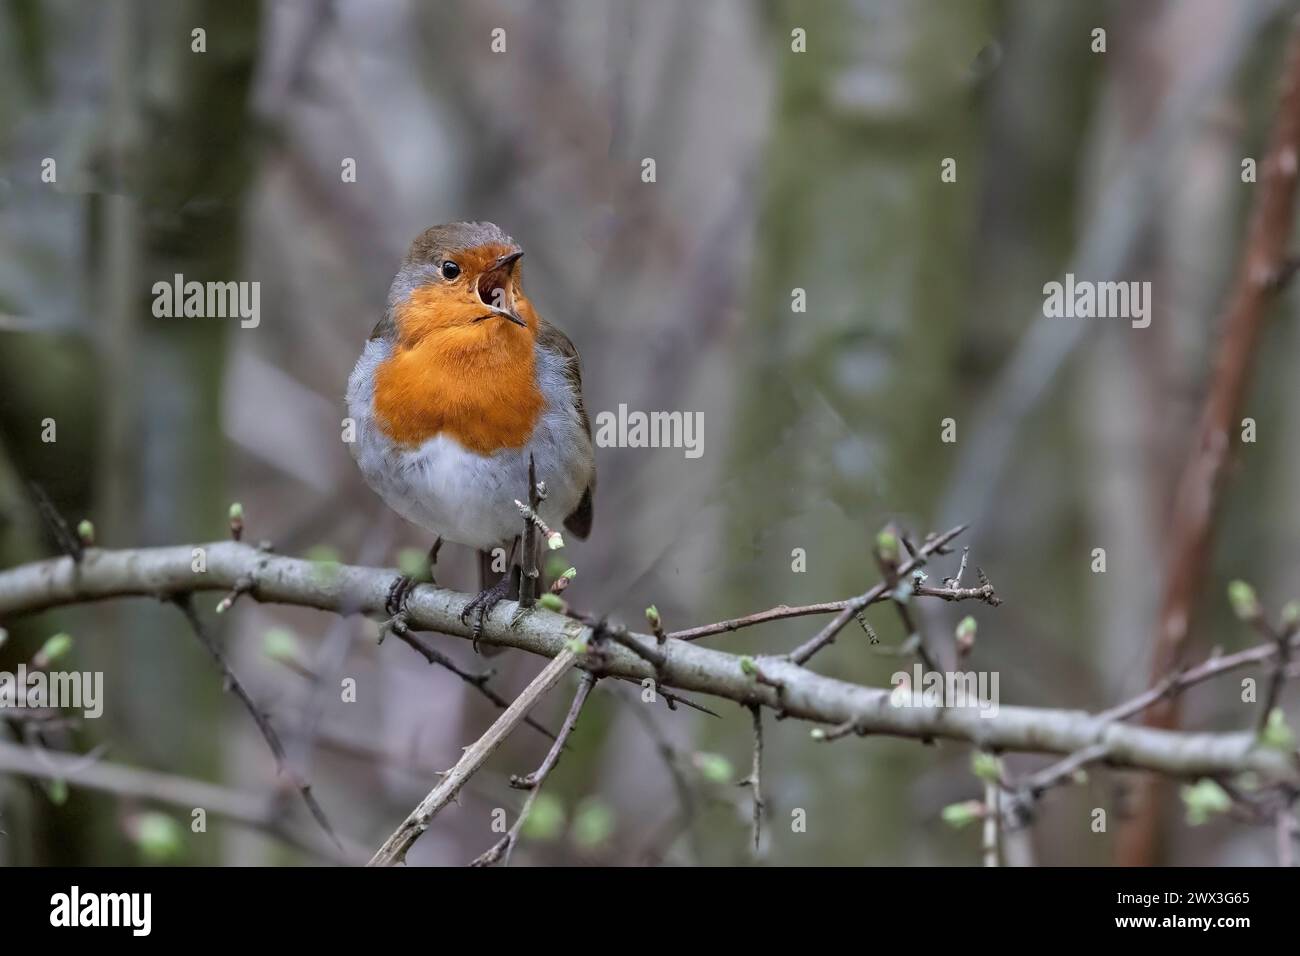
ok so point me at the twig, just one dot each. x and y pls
(954, 582)
(915, 637)
(755, 779)
(991, 820)
(983, 593)
(528, 571)
(783, 611)
(1177, 682)
(648, 651)
(825, 735)
(1042, 781)
(672, 761)
(1282, 636)
(503, 848)
(826, 635)
(477, 681)
(259, 811)
(394, 849)
(232, 684)
(58, 528)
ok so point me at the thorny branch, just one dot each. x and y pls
(396, 846)
(478, 681)
(755, 779)
(500, 852)
(231, 683)
(780, 683)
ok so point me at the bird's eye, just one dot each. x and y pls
(450, 270)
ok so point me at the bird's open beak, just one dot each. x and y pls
(494, 286)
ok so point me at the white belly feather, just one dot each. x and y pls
(465, 497)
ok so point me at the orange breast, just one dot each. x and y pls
(482, 393)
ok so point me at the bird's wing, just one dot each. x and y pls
(549, 337)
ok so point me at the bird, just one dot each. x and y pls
(461, 391)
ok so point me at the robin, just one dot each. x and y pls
(461, 389)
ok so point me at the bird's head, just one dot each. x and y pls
(461, 283)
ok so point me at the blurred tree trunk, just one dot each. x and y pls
(177, 140)
(854, 213)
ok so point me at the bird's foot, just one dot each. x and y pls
(395, 605)
(401, 589)
(398, 594)
(483, 604)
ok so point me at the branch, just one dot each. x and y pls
(1260, 272)
(257, 811)
(533, 782)
(787, 688)
(395, 847)
(782, 611)
(478, 681)
(755, 779)
(935, 545)
(231, 683)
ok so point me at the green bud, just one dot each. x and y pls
(748, 667)
(55, 648)
(158, 837)
(817, 733)
(545, 820)
(86, 532)
(1079, 777)
(555, 566)
(57, 791)
(281, 645)
(1203, 799)
(576, 645)
(1291, 615)
(652, 617)
(570, 574)
(552, 602)
(236, 512)
(958, 815)
(1276, 732)
(593, 823)
(713, 767)
(887, 546)
(986, 766)
(1244, 603)
(555, 541)
(966, 632)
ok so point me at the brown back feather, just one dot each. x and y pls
(549, 337)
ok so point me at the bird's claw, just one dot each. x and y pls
(398, 592)
(482, 605)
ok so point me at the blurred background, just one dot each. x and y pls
(774, 170)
